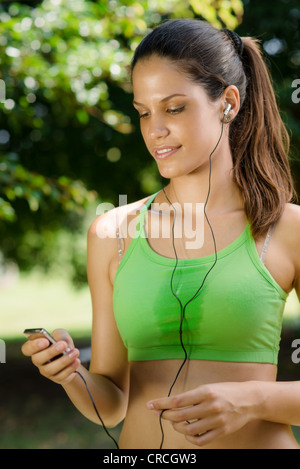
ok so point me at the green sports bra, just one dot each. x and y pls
(236, 316)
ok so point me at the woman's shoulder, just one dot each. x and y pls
(291, 236)
(115, 220)
(290, 217)
(289, 230)
(102, 242)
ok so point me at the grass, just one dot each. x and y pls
(49, 302)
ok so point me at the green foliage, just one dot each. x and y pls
(17, 182)
(220, 12)
(68, 133)
(67, 127)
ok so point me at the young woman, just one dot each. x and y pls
(185, 336)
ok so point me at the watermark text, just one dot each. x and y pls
(296, 93)
(2, 91)
(296, 353)
(183, 222)
(2, 351)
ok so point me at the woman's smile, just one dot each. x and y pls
(163, 152)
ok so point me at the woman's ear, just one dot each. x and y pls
(230, 103)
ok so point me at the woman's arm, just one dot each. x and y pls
(107, 396)
(109, 363)
(107, 378)
(216, 410)
(109, 399)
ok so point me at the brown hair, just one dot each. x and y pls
(259, 141)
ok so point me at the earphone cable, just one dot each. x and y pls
(183, 308)
(96, 410)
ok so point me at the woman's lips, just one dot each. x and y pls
(162, 153)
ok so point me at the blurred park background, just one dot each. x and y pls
(69, 140)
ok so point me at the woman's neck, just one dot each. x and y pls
(222, 194)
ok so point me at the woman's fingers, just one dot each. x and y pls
(50, 353)
(31, 347)
(58, 369)
(62, 334)
(185, 399)
(57, 361)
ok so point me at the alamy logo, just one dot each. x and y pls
(2, 351)
(296, 353)
(2, 91)
(296, 93)
(189, 222)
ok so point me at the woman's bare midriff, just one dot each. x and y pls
(152, 379)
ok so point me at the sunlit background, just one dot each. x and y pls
(69, 140)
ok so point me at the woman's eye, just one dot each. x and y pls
(171, 111)
(176, 110)
(141, 116)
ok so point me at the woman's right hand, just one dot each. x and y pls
(60, 370)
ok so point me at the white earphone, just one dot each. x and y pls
(227, 109)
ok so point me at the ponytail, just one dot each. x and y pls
(260, 146)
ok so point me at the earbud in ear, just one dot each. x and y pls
(227, 117)
(228, 107)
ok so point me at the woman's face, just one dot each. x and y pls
(179, 124)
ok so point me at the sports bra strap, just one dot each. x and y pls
(267, 242)
(145, 207)
(119, 238)
(140, 223)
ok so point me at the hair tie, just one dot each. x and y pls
(237, 41)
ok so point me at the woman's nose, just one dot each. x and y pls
(158, 130)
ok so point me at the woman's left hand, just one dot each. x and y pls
(210, 411)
